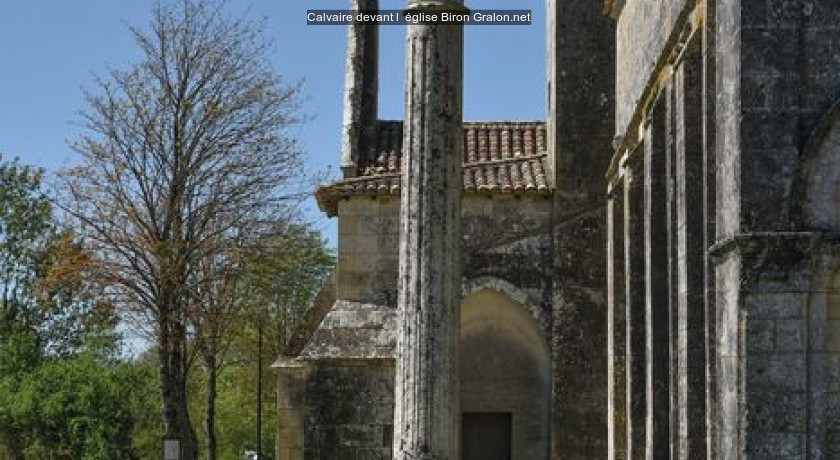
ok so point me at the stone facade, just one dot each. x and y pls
(651, 272)
(722, 237)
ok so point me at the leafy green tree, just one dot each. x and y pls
(25, 226)
(61, 394)
(285, 271)
(267, 281)
(75, 408)
(144, 403)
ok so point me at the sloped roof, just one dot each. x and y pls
(353, 330)
(335, 329)
(499, 157)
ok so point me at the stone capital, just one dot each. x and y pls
(436, 5)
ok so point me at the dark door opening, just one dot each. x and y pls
(486, 436)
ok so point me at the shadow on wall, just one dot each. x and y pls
(505, 369)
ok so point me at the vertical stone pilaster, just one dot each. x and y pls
(690, 228)
(291, 404)
(360, 89)
(657, 320)
(709, 179)
(616, 328)
(635, 307)
(427, 412)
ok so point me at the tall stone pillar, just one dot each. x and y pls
(427, 413)
(358, 128)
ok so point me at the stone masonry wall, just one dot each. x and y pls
(644, 32)
(349, 412)
(505, 236)
(777, 63)
(789, 59)
(349, 407)
(581, 102)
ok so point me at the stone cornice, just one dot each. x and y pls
(774, 245)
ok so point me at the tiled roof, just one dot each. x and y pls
(499, 157)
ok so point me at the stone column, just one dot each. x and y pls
(427, 413)
(358, 127)
(291, 404)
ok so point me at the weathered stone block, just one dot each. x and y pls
(291, 386)
(784, 14)
(373, 454)
(290, 438)
(362, 243)
(362, 206)
(833, 372)
(290, 418)
(832, 335)
(349, 225)
(776, 373)
(790, 335)
(775, 445)
(775, 305)
(761, 335)
(358, 435)
(833, 306)
(790, 413)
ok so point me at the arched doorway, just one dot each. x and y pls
(505, 380)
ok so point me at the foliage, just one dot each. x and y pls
(61, 392)
(286, 270)
(73, 408)
(279, 273)
(237, 414)
(25, 227)
(185, 152)
(144, 401)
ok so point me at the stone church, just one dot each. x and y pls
(653, 271)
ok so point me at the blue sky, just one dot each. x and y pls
(51, 49)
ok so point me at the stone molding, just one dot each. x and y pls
(492, 283)
(749, 244)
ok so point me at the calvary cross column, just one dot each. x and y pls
(427, 412)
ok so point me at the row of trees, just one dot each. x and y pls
(178, 220)
(67, 387)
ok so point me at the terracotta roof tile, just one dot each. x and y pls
(499, 157)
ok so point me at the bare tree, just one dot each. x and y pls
(183, 150)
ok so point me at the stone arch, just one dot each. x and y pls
(820, 180)
(522, 298)
(506, 366)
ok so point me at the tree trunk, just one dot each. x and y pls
(176, 417)
(12, 443)
(210, 369)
